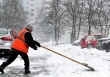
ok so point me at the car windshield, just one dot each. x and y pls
(3, 31)
(99, 36)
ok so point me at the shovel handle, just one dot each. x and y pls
(84, 64)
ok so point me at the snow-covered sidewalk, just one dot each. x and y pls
(44, 63)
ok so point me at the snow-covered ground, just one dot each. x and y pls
(44, 63)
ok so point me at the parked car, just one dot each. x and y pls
(76, 43)
(90, 41)
(6, 38)
(104, 44)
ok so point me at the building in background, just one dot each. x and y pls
(46, 4)
(30, 7)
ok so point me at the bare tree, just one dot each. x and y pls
(53, 20)
(78, 17)
(13, 15)
(74, 10)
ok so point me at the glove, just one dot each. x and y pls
(37, 43)
(35, 48)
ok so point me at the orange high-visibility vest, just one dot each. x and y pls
(19, 43)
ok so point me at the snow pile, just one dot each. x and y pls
(45, 63)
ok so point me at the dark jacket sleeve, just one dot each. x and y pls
(29, 40)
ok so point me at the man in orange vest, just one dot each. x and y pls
(20, 46)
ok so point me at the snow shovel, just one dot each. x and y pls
(84, 64)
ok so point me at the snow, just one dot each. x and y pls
(44, 63)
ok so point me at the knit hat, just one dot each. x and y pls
(29, 27)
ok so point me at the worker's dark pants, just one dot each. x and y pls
(13, 56)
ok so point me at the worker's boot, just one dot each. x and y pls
(27, 71)
(1, 70)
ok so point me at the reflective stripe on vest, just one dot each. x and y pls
(19, 43)
(21, 36)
